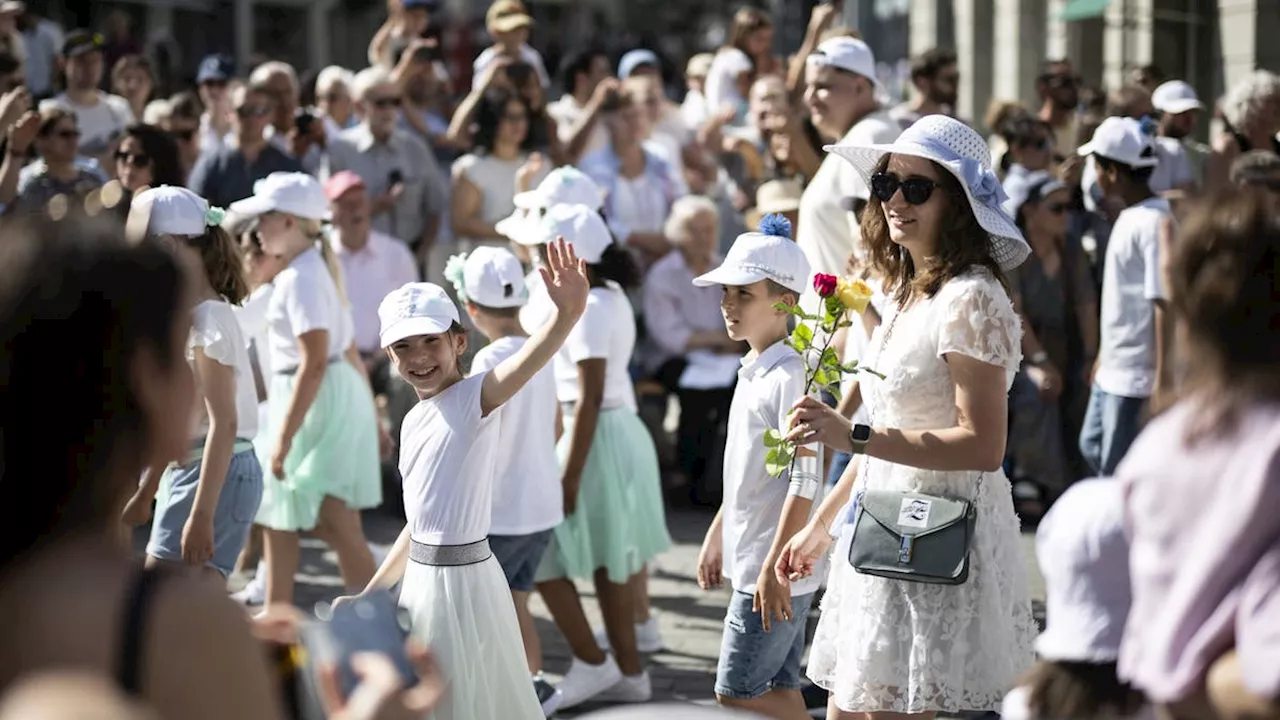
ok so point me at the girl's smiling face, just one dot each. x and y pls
(430, 363)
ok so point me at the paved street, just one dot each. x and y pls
(691, 619)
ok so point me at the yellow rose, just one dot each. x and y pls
(853, 293)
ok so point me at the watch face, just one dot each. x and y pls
(861, 433)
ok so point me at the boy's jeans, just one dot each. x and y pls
(1110, 425)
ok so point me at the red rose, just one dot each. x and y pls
(825, 284)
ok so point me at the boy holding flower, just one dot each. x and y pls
(763, 275)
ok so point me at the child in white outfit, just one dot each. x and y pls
(527, 496)
(454, 588)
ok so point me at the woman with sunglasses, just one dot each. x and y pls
(1058, 301)
(949, 347)
(147, 157)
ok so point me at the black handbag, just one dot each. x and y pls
(913, 537)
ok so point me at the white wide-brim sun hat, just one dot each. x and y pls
(962, 152)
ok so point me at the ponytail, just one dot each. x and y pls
(314, 229)
(617, 264)
(223, 264)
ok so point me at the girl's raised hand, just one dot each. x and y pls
(565, 277)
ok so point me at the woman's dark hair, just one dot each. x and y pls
(50, 117)
(77, 304)
(746, 21)
(1224, 287)
(166, 168)
(1024, 130)
(489, 115)
(1080, 690)
(578, 63)
(223, 263)
(617, 265)
(962, 244)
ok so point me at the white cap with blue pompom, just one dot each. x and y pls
(769, 254)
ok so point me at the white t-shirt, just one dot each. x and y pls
(447, 458)
(1130, 285)
(99, 124)
(215, 329)
(607, 329)
(828, 233)
(305, 298)
(1174, 169)
(769, 384)
(527, 495)
(722, 80)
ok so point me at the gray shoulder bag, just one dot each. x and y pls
(912, 537)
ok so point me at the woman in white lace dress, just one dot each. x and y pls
(948, 346)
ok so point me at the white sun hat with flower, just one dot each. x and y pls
(960, 150)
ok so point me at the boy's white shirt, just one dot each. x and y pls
(1130, 286)
(527, 495)
(769, 384)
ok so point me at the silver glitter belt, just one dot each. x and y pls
(449, 555)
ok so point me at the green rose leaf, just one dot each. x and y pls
(772, 438)
(777, 460)
(850, 367)
(830, 360)
(802, 337)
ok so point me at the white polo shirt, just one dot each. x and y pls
(1130, 286)
(527, 495)
(769, 384)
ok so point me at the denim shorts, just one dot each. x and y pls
(519, 556)
(754, 662)
(232, 518)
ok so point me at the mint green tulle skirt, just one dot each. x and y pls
(619, 523)
(335, 452)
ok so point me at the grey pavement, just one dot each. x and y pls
(691, 619)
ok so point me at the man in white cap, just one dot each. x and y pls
(842, 97)
(1133, 364)
(1179, 110)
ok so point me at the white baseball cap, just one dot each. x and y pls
(579, 225)
(493, 278)
(1084, 556)
(294, 193)
(848, 54)
(768, 255)
(1122, 140)
(565, 185)
(415, 309)
(173, 211)
(1174, 97)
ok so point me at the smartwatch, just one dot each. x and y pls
(858, 437)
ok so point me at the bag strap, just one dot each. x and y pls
(888, 332)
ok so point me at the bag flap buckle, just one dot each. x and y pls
(905, 549)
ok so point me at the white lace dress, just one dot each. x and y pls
(890, 646)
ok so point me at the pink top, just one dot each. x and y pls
(1204, 525)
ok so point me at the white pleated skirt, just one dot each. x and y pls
(465, 615)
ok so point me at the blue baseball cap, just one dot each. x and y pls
(635, 59)
(215, 68)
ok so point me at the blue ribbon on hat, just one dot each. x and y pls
(983, 183)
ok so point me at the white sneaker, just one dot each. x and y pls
(630, 689)
(584, 681)
(648, 636)
(255, 593)
(549, 695)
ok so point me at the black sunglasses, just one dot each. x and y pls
(138, 160)
(915, 190)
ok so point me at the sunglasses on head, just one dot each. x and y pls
(138, 160)
(915, 190)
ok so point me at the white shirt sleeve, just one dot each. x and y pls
(484, 361)
(209, 331)
(589, 339)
